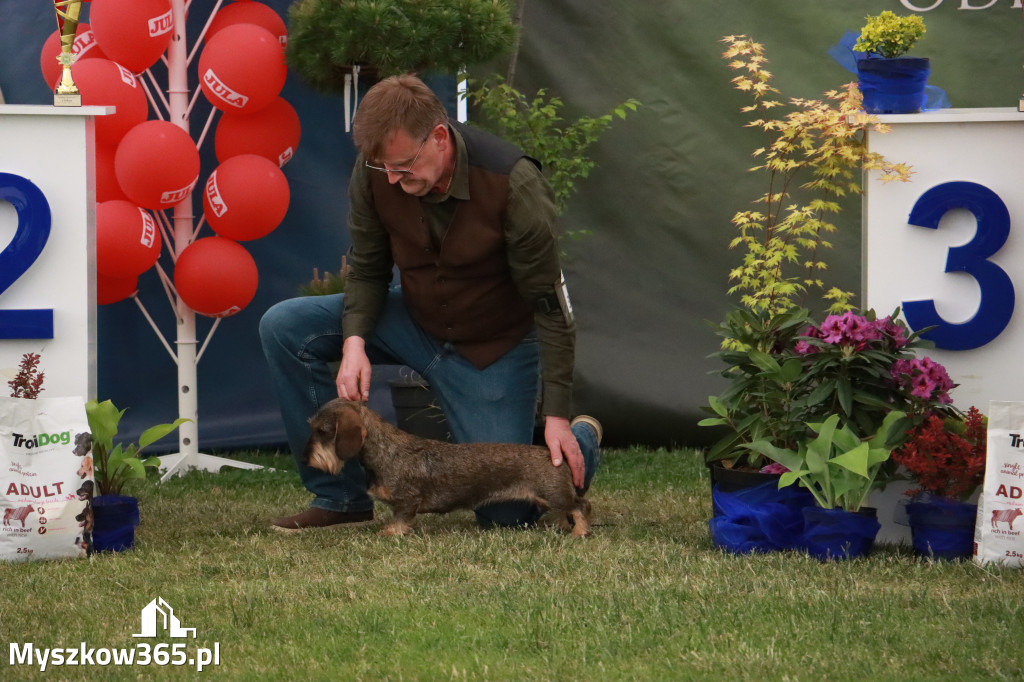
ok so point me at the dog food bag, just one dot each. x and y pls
(46, 479)
(999, 531)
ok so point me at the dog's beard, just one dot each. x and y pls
(323, 459)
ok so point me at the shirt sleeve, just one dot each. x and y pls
(366, 286)
(534, 262)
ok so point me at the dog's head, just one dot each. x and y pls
(83, 444)
(336, 435)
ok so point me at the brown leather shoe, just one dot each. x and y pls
(315, 517)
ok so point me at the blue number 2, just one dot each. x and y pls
(997, 298)
(29, 240)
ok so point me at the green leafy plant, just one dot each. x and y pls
(838, 468)
(388, 37)
(115, 465)
(889, 35)
(536, 126)
(815, 155)
(784, 372)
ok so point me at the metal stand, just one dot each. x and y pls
(178, 106)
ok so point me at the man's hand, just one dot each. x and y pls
(562, 444)
(354, 375)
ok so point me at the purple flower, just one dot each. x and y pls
(926, 379)
(832, 329)
(774, 468)
(804, 348)
(892, 329)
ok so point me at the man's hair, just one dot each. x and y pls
(395, 103)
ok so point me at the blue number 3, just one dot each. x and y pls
(996, 306)
(29, 240)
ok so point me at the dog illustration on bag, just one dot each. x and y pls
(83, 444)
(1005, 516)
(17, 514)
(86, 470)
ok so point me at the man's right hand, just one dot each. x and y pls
(354, 375)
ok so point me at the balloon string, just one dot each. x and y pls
(156, 329)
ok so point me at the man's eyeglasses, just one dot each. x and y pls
(403, 171)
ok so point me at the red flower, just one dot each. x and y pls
(943, 462)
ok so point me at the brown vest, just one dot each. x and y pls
(462, 293)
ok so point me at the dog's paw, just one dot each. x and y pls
(396, 528)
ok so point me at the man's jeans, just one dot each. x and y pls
(302, 336)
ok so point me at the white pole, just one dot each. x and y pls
(188, 456)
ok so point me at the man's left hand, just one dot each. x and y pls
(563, 445)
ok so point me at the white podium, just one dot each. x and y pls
(47, 244)
(948, 249)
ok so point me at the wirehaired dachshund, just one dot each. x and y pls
(416, 475)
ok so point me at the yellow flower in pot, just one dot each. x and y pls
(890, 82)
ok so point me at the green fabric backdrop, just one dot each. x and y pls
(671, 175)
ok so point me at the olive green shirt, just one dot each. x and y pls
(531, 245)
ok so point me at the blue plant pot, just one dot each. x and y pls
(831, 534)
(114, 521)
(759, 518)
(893, 86)
(942, 528)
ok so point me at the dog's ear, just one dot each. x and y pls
(349, 434)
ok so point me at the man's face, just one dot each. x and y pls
(416, 165)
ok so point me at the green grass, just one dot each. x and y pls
(647, 597)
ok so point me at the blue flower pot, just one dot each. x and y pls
(114, 521)
(942, 528)
(831, 534)
(893, 86)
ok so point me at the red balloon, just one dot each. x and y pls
(216, 277)
(250, 13)
(113, 289)
(107, 187)
(127, 239)
(157, 164)
(85, 47)
(272, 132)
(242, 68)
(246, 197)
(134, 33)
(103, 82)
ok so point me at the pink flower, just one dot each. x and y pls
(895, 331)
(832, 329)
(849, 329)
(774, 468)
(926, 379)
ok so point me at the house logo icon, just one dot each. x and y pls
(159, 612)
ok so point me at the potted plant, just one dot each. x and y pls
(840, 470)
(789, 376)
(116, 515)
(328, 38)
(535, 125)
(946, 458)
(890, 82)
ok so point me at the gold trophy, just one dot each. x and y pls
(67, 94)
